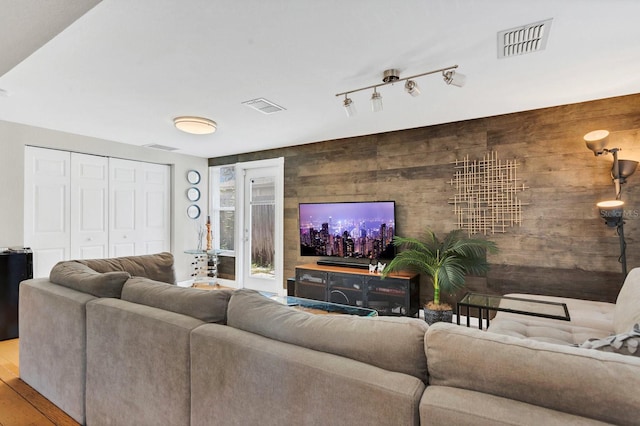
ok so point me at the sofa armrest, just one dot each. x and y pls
(578, 381)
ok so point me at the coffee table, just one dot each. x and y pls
(308, 305)
(320, 307)
(486, 302)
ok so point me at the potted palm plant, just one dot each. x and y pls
(446, 261)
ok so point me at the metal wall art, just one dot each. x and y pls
(485, 201)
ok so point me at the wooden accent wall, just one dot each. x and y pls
(562, 248)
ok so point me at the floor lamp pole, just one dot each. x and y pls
(623, 248)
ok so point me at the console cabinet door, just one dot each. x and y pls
(346, 289)
(311, 284)
(389, 296)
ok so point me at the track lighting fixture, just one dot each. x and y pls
(391, 76)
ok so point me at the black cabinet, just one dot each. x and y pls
(15, 266)
(398, 294)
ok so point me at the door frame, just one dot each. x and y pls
(241, 211)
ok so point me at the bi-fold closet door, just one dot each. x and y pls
(80, 206)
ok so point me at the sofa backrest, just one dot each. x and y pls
(205, 305)
(157, 267)
(392, 343)
(627, 310)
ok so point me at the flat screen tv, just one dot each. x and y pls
(355, 230)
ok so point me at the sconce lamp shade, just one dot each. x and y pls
(597, 141)
(626, 168)
(611, 211)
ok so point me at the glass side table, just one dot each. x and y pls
(486, 302)
(205, 266)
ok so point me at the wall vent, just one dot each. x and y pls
(263, 105)
(526, 39)
(162, 147)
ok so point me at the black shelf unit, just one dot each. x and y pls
(396, 295)
(16, 265)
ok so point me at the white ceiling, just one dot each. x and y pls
(123, 70)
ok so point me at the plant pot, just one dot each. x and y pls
(443, 314)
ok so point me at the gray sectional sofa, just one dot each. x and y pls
(114, 342)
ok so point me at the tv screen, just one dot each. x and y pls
(359, 230)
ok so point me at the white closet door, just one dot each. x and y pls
(124, 208)
(47, 207)
(89, 206)
(156, 203)
(139, 206)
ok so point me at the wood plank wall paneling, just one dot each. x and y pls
(562, 248)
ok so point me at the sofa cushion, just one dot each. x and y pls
(627, 311)
(158, 267)
(81, 277)
(589, 319)
(392, 343)
(205, 305)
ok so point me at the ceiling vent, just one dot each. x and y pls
(263, 105)
(162, 147)
(526, 39)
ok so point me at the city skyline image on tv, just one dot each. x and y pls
(347, 229)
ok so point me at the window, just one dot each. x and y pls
(223, 217)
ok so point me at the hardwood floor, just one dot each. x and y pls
(20, 404)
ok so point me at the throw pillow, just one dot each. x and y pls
(625, 343)
(206, 305)
(82, 278)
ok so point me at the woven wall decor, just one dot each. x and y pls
(485, 200)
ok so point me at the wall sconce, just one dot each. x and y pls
(391, 76)
(597, 141)
(612, 211)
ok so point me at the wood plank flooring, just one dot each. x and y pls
(20, 404)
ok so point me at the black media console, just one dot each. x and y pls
(398, 294)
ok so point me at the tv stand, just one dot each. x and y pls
(397, 295)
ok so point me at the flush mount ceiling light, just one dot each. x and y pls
(391, 76)
(195, 125)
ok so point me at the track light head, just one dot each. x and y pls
(454, 78)
(411, 87)
(349, 107)
(376, 101)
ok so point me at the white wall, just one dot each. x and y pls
(14, 137)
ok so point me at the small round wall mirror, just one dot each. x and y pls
(193, 211)
(193, 194)
(193, 177)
